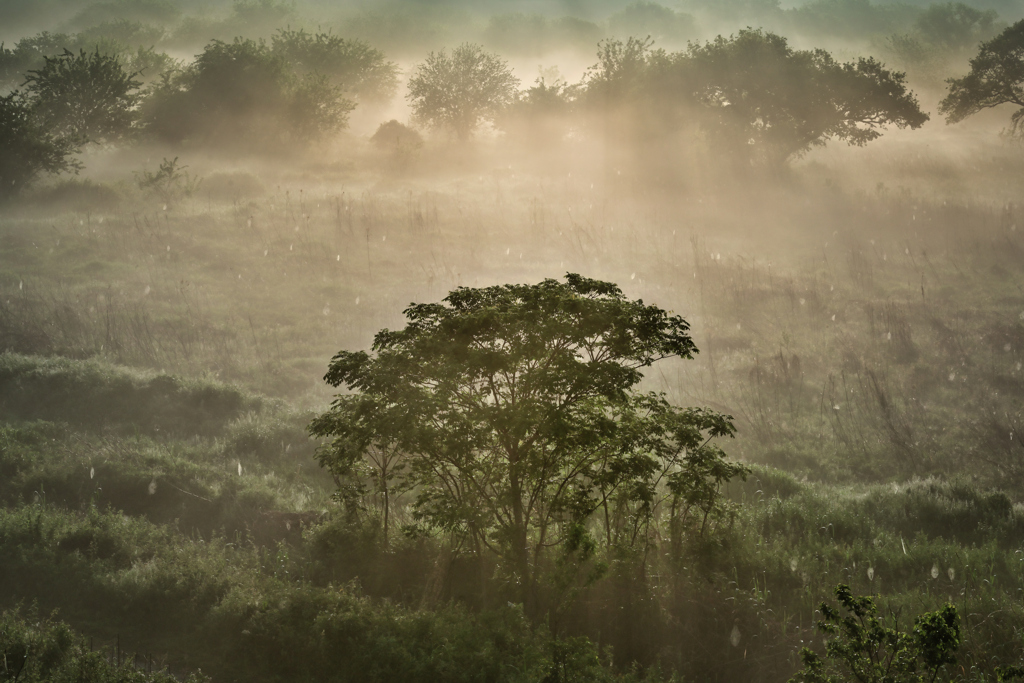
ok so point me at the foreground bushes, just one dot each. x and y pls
(34, 650)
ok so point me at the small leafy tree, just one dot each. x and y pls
(27, 148)
(459, 90)
(514, 412)
(996, 77)
(769, 103)
(87, 97)
(873, 649)
(171, 180)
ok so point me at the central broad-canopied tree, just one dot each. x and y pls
(511, 412)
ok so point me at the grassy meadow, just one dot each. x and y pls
(859, 312)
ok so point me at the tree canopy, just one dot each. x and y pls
(243, 92)
(27, 148)
(778, 102)
(511, 411)
(996, 77)
(460, 89)
(86, 97)
(355, 67)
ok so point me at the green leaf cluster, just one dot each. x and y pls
(874, 649)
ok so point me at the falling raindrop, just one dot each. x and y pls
(739, 326)
(833, 317)
(338, 258)
(152, 487)
(92, 475)
(888, 336)
(835, 407)
(508, 250)
(935, 571)
(266, 251)
(327, 310)
(21, 285)
(793, 565)
(735, 636)
(952, 376)
(291, 247)
(803, 301)
(357, 301)
(633, 276)
(871, 573)
(239, 468)
(951, 573)
(165, 207)
(146, 291)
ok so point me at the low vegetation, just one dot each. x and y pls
(680, 370)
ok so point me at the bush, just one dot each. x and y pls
(36, 649)
(98, 396)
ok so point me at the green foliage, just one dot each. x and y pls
(44, 650)
(242, 93)
(27, 149)
(849, 18)
(511, 412)
(955, 26)
(779, 103)
(996, 77)
(84, 97)
(129, 41)
(29, 53)
(352, 65)
(874, 649)
(100, 396)
(458, 91)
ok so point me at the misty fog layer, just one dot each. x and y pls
(235, 447)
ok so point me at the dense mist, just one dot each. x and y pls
(511, 341)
